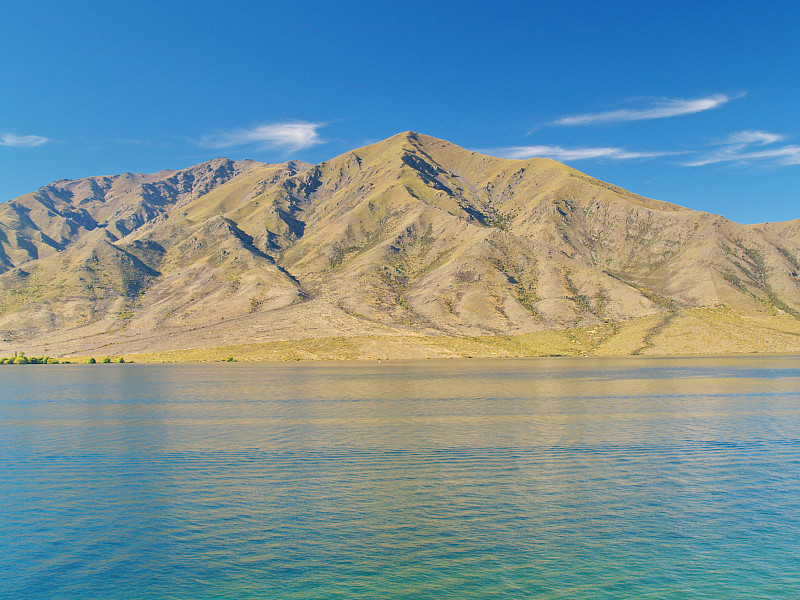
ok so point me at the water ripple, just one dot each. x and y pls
(645, 478)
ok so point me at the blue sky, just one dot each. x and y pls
(695, 103)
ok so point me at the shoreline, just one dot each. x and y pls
(394, 361)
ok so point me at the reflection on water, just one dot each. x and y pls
(545, 478)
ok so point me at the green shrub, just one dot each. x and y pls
(20, 360)
(92, 361)
(106, 360)
(229, 359)
(52, 361)
(120, 360)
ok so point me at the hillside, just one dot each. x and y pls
(411, 240)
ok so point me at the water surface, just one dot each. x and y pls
(542, 478)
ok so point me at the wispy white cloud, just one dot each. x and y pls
(292, 136)
(661, 109)
(752, 137)
(568, 154)
(744, 146)
(23, 141)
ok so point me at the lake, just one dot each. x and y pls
(543, 478)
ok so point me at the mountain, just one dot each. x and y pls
(411, 237)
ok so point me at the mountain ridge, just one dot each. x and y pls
(411, 235)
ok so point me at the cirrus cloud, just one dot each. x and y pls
(22, 141)
(752, 137)
(661, 109)
(291, 136)
(568, 154)
(744, 146)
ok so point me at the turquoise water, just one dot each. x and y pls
(546, 478)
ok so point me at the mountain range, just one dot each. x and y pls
(400, 244)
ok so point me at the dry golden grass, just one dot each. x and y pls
(690, 332)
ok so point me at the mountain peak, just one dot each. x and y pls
(416, 139)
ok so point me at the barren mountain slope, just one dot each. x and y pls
(49, 220)
(434, 235)
(412, 235)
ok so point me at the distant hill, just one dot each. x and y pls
(412, 238)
